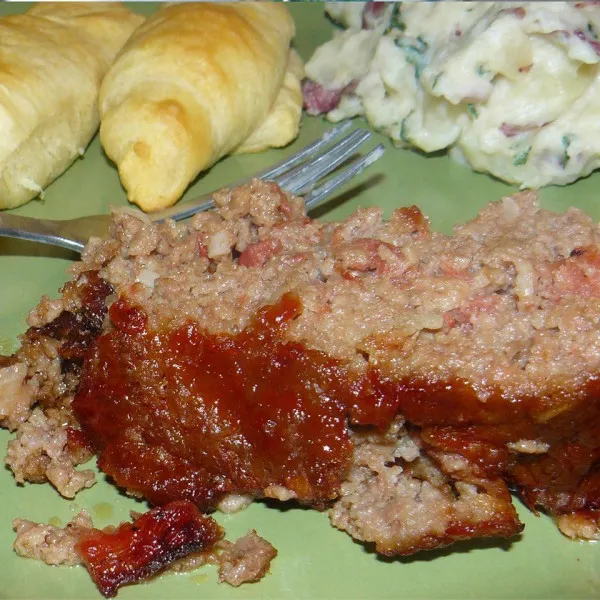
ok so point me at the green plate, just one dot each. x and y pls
(314, 561)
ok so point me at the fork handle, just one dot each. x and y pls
(37, 230)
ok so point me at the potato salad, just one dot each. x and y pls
(511, 89)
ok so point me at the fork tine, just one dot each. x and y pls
(309, 173)
(294, 174)
(188, 208)
(319, 194)
(286, 164)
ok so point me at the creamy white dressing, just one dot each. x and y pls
(511, 89)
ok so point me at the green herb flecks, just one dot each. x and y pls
(472, 110)
(421, 43)
(565, 142)
(415, 52)
(396, 22)
(481, 71)
(404, 130)
(436, 80)
(592, 31)
(521, 157)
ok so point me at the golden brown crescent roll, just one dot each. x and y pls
(283, 121)
(188, 88)
(52, 61)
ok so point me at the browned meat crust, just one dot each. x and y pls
(44, 374)
(174, 537)
(255, 413)
(138, 550)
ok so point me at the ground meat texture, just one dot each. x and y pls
(400, 500)
(246, 560)
(138, 550)
(561, 477)
(50, 544)
(41, 451)
(76, 330)
(38, 383)
(485, 340)
(16, 397)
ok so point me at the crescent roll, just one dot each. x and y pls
(52, 61)
(283, 121)
(190, 86)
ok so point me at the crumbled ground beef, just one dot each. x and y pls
(246, 560)
(40, 452)
(50, 544)
(401, 500)
(175, 537)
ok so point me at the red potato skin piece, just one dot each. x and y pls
(138, 550)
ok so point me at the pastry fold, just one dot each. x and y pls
(283, 121)
(193, 84)
(52, 61)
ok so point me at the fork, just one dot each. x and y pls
(298, 174)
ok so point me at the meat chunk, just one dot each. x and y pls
(582, 525)
(138, 550)
(16, 395)
(402, 501)
(38, 383)
(41, 452)
(246, 560)
(50, 544)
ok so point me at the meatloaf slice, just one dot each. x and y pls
(247, 351)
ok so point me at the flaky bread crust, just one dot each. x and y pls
(283, 121)
(188, 88)
(52, 61)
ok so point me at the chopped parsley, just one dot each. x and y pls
(414, 51)
(396, 21)
(404, 130)
(481, 71)
(565, 142)
(521, 157)
(472, 110)
(436, 79)
(422, 45)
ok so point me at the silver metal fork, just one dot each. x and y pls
(298, 174)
